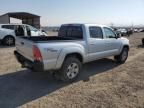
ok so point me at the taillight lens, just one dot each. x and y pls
(36, 53)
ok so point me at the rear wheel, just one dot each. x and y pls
(123, 56)
(9, 40)
(70, 69)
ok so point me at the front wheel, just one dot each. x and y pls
(70, 69)
(123, 56)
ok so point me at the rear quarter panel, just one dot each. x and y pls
(54, 53)
(50, 53)
(70, 50)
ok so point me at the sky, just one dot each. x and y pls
(56, 12)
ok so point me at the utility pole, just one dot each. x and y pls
(132, 26)
(112, 25)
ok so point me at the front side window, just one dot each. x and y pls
(95, 32)
(109, 33)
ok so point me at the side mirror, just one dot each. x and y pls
(118, 35)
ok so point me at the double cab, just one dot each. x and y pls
(75, 45)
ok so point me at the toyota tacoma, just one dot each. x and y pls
(75, 45)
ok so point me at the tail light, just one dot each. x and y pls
(36, 53)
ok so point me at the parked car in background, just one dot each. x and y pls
(136, 30)
(141, 30)
(122, 32)
(8, 32)
(129, 32)
(75, 45)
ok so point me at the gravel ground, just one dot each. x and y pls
(102, 84)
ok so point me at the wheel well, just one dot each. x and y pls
(77, 55)
(126, 46)
(8, 36)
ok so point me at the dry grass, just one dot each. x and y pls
(103, 84)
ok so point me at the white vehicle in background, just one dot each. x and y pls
(9, 32)
(136, 30)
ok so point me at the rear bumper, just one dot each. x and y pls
(35, 66)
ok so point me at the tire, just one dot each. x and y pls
(9, 40)
(70, 69)
(123, 56)
(143, 41)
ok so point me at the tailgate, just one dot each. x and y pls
(25, 47)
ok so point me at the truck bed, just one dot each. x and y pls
(25, 44)
(50, 38)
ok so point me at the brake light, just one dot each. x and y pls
(36, 53)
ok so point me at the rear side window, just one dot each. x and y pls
(95, 32)
(71, 32)
(11, 27)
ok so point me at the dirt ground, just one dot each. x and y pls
(102, 84)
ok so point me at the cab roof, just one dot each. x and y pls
(86, 24)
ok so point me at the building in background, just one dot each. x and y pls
(26, 18)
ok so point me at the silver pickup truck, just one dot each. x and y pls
(75, 45)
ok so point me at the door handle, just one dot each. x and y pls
(92, 43)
